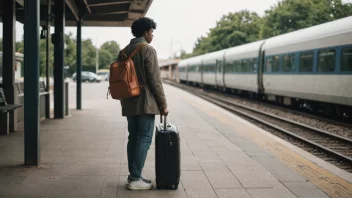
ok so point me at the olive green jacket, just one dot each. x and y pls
(152, 97)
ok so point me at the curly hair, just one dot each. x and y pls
(139, 26)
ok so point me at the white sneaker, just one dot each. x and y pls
(142, 177)
(139, 185)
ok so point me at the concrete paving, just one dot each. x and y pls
(84, 155)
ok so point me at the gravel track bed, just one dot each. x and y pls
(333, 128)
(328, 142)
(322, 155)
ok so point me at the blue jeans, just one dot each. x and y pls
(140, 128)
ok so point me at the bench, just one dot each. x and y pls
(4, 109)
(42, 88)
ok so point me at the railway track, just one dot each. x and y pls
(330, 147)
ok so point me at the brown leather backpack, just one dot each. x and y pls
(123, 81)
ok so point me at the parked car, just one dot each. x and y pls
(104, 74)
(87, 76)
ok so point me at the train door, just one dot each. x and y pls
(260, 69)
(224, 71)
(186, 70)
(219, 76)
(201, 70)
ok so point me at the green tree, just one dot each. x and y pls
(88, 55)
(105, 59)
(183, 55)
(112, 47)
(70, 53)
(292, 15)
(232, 30)
(108, 53)
(42, 56)
(19, 47)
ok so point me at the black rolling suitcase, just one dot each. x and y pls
(167, 156)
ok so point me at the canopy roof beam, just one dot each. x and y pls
(74, 8)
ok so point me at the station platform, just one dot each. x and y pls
(222, 155)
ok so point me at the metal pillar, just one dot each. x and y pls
(9, 63)
(31, 83)
(79, 66)
(59, 59)
(48, 39)
(170, 72)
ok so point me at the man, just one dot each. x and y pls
(141, 110)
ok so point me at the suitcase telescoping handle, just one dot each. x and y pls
(161, 121)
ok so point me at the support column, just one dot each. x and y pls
(9, 61)
(31, 83)
(59, 59)
(170, 72)
(79, 65)
(47, 73)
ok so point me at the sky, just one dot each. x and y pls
(179, 23)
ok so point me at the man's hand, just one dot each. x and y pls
(165, 112)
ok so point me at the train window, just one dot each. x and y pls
(288, 63)
(326, 61)
(228, 67)
(238, 66)
(243, 65)
(306, 62)
(231, 66)
(346, 60)
(276, 64)
(249, 65)
(212, 68)
(272, 64)
(255, 65)
(268, 64)
(234, 66)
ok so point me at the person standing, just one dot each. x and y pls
(141, 110)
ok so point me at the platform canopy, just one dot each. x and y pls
(109, 13)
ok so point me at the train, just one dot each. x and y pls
(309, 68)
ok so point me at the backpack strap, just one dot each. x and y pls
(135, 51)
(122, 55)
